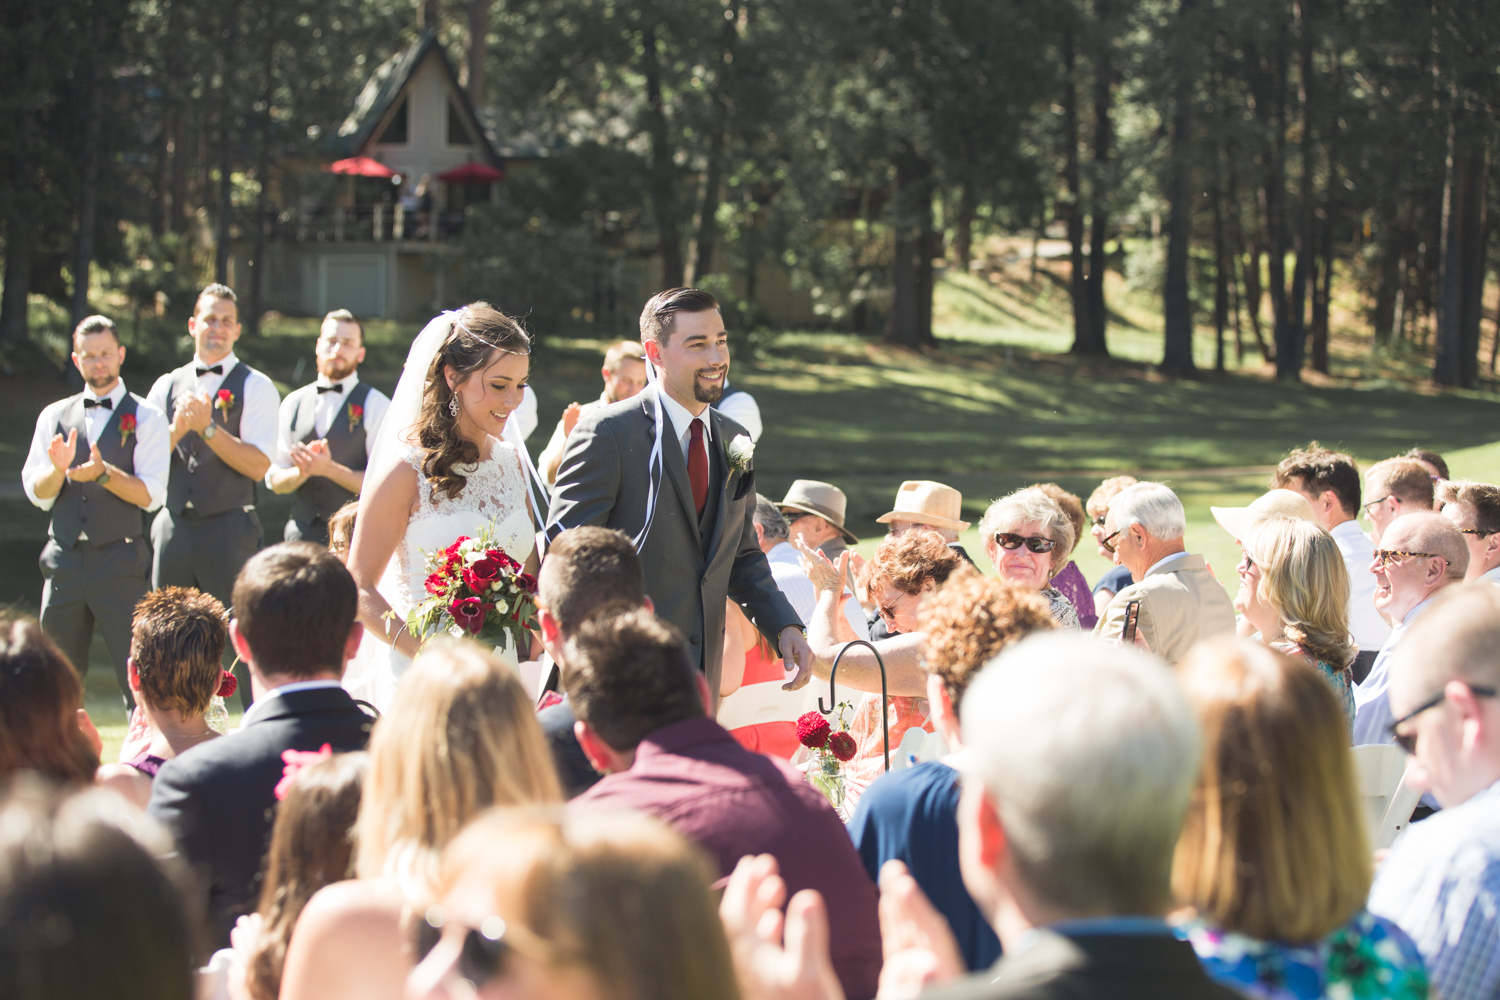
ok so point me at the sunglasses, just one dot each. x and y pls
(1011, 542)
(1408, 741)
(1475, 531)
(485, 952)
(1387, 556)
(1108, 541)
(888, 611)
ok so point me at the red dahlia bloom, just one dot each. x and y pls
(228, 685)
(812, 730)
(469, 613)
(842, 746)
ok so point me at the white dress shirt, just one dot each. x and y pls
(152, 439)
(1163, 561)
(743, 410)
(289, 430)
(1370, 631)
(786, 570)
(682, 421)
(559, 439)
(258, 412)
(1372, 707)
(258, 707)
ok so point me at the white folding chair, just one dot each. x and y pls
(1389, 798)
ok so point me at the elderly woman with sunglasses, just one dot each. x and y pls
(1028, 538)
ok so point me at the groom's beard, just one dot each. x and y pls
(709, 393)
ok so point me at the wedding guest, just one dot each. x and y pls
(1441, 880)
(624, 374)
(341, 530)
(1070, 581)
(294, 625)
(922, 504)
(1474, 509)
(1180, 601)
(1436, 467)
(1294, 593)
(912, 814)
(1028, 537)
(1399, 486)
(460, 737)
(325, 431)
(552, 904)
(90, 901)
(97, 460)
(176, 646)
(1423, 554)
(1273, 866)
(641, 712)
(1096, 507)
(1330, 481)
(815, 512)
(312, 845)
(43, 726)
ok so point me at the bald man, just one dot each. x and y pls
(1419, 554)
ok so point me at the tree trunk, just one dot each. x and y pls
(226, 144)
(1104, 138)
(83, 247)
(1222, 272)
(911, 270)
(1077, 283)
(1177, 306)
(14, 325)
(963, 227)
(479, 31)
(1383, 318)
(1461, 281)
(1270, 109)
(1304, 271)
(705, 240)
(262, 170)
(663, 170)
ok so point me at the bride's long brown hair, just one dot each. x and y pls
(480, 331)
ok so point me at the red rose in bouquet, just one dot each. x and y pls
(842, 746)
(812, 730)
(437, 584)
(483, 572)
(474, 588)
(469, 613)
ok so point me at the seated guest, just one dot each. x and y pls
(640, 707)
(1423, 554)
(43, 726)
(1399, 486)
(1474, 509)
(1431, 460)
(1441, 881)
(1240, 521)
(1097, 506)
(1180, 601)
(87, 909)
(815, 512)
(460, 737)
(570, 894)
(903, 572)
(1028, 538)
(1066, 835)
(624, 374)
(1329, 480)
(1274, 861)
(922, 504)
(912, 815)
(1294, 593)
(176, 646)
(294, 625)
(312, 845)
(1070, 581)
(588, 571)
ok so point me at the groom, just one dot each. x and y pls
(702, 545)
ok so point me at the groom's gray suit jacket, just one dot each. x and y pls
(691, 563)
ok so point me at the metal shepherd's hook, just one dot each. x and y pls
(885, 720)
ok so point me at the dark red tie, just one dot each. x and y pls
(698, 466)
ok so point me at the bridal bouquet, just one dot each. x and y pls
(476, 590)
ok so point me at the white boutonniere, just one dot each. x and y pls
(740, 453)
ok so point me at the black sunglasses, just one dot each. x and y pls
(485, 951)
(1033, 543)
(1108, 541)
(1408, 741)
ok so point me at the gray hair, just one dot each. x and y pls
(1029, 505)
(770, 518)
(1089, 752)
(1154, 507)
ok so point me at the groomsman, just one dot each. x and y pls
(97, 460)
(223, 431)
(325, 430)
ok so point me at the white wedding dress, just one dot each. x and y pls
(494, 497)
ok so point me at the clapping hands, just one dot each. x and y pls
(824, 575)
(778, 957)
(193, 413)
(312, 458)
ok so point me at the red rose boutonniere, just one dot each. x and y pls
(356, 414)
(127, 427)
(224, 401)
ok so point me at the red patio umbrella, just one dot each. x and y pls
(359, 166)
(472, 173)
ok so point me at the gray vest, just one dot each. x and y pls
(198, 476)
(88, 508)
(320, 497)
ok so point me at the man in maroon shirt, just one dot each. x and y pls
(639, 704)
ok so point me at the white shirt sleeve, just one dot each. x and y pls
(743, 410)
(258, 419)
(38, 463)
(161, 393)
(286, 413)
(376, 405)
(525, 415)
(153, 452)
(554, 448)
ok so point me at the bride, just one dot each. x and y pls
(439, 469)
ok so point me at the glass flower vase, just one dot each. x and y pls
(827, 776)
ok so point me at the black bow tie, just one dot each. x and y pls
(89, 404)
(216, 369)
(336, 387)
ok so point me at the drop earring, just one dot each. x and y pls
(452, 406)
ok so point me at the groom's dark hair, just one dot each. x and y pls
(587, 571)
(660, 312)
(629, 675)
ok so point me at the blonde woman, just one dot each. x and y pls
(461, 737)
(1294, 590)
(1029, 539)
(1273, 867)
(535, 904)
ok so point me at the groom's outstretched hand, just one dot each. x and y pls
(796, 655)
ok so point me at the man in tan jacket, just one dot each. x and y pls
(1181, 602)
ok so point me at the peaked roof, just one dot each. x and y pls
(387, 85)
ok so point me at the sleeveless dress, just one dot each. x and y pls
(494, 496)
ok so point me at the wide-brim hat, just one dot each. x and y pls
(1284, 503)
(808, 496)
(923, 501)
